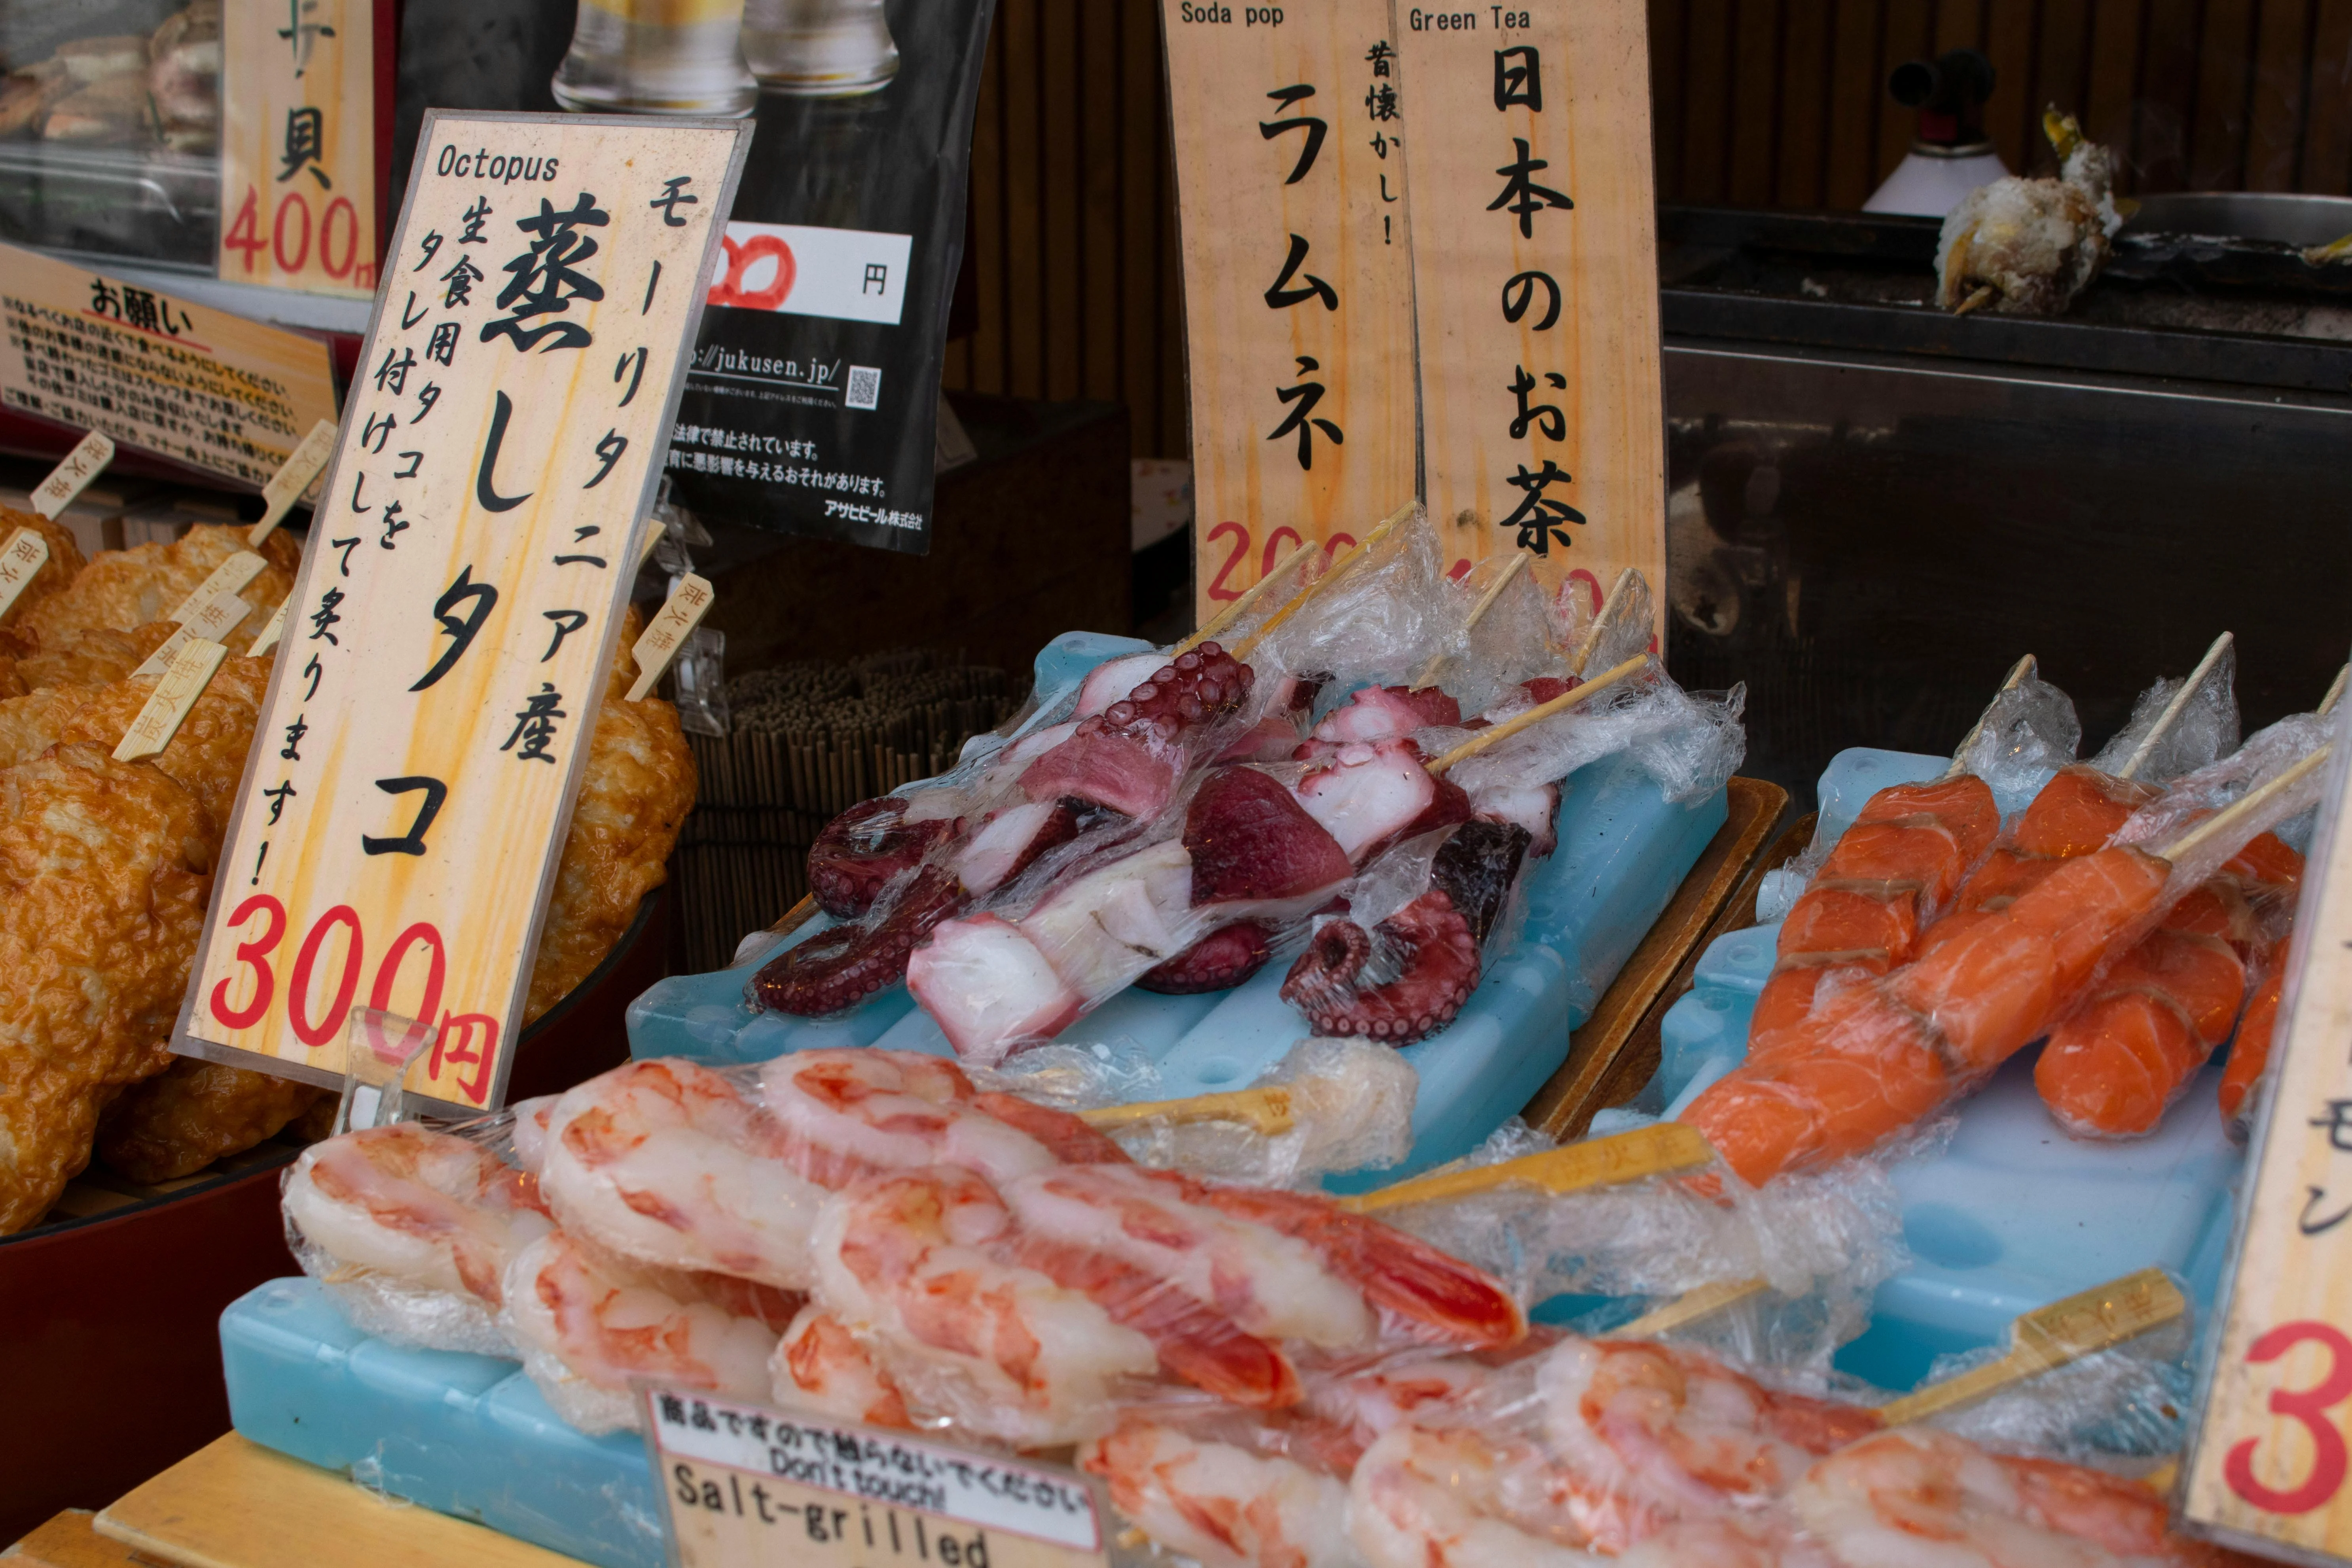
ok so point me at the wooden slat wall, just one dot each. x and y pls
(1757, 102)
(1783, 103)
(1074, 217)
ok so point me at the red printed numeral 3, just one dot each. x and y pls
(2308, 1408)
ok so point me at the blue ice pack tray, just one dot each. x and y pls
(2013, 1213)
(1624, 849)
(462, 1435)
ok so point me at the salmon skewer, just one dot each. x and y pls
(1888, 875)
(2250, 1052)
(1877, 1058)
(2113, 1068)
(2077, 811)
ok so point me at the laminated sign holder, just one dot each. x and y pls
(2267, 1465)
(445, 653)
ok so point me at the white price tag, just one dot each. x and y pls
(748, 1486)
(21, 560)
(667, 632)
(293, 479)
(84, 463)
(191, 671)
(213, 621)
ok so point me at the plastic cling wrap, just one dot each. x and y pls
(1820, 1245)
(1690, 742)
(2029, 731)
(1350, 1105)
(410, 1229)
(2205, 728)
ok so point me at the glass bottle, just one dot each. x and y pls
(657, 57)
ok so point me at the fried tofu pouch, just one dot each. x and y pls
(94, 657)
(104, 872)
(124, 589)
(639, 785)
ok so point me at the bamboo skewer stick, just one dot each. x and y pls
(1539, 713)
(2229, 816)
(2051, 1337)
(1691, 1307)
(1249, 595)
(1661, 1148)
(2017, 672)
(1267, 1109)
(2174, 708)
(1591, 641)
(1438, 661)
(1389, 524)
(2335, 691)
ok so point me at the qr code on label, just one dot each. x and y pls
(864, 386)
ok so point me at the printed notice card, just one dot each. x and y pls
(462, 595)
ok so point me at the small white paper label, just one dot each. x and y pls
(84, 463)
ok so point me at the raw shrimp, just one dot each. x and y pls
(1646, 1433)
(911, 1261)
(587, 1324)
(1364, 1406)
(669, 1163)
(529, 1133)
(1268, 1283)
(820, 1364)
(1889, 874)
(1770, 1540)
(1424, 1499)
(850, 1113)
(1421, 1294)
(1218, 1502)
(1912, 1495)
(418, 1225)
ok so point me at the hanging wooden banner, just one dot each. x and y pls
(151, 370)
(462, 595)
(298, 197)
(1536, 285)
(2267, 1464)
(1297, 278)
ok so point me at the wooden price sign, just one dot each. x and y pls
(298, 115)
(1536, 283)
(1297, 278)
(748, 1488)
(2267, 1468)
(150, 370)
(469, 562)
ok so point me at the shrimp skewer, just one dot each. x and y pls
(669, 1163)
(913, 1262)
(587, 1324)
(1218, 1502)
(411, 1229)
(1880, 1502)
(1647, 1434)
(1879, 1058)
